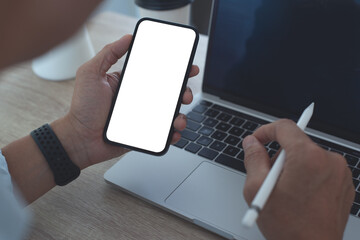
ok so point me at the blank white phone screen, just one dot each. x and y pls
(151, 86)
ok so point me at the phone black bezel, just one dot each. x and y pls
(171, 130)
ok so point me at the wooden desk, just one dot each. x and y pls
(87, 208)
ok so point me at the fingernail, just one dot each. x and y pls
(249, 141)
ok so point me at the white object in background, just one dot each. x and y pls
(62, 62)
(179, 15)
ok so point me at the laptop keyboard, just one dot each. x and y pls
(216, 133)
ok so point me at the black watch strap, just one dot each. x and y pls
(63, 168)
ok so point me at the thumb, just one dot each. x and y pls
(109, 55)
(257, 164)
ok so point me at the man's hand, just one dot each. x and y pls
(314, 193)
(80, 131)
(82, 128)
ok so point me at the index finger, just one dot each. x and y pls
(283, 131)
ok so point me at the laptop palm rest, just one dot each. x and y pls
(214, 196)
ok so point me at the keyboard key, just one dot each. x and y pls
(272, 153)
(357, 198)
(212, 113)
(181, 143)
(231, 162)
(319, 140)
(237, 121)
(193, 147)
(274, 145)
(192, 125)
(241, 155)
(336, 146)
(210, 122)
(246, 134)
(358, 165)
(250, 126)
(232, 140)
(208, 153)
(219, 135)
(206, 103)
(195, 116)
(232, 151)
(351, 160)
(206, 131)
(324, 147)
(356, 183)
(355, 173)
(236, 131)
(240, 144)
(224, 117)
(355, 209)
(223, 126)
(204, 140)
(200, 108)
(239, 114)
(189, 135)
(218, 146)
(353, 152)
(336, 151)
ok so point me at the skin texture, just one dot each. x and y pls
(314, 193)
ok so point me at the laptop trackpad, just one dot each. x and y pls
(213, 195)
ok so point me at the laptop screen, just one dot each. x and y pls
(278, 56)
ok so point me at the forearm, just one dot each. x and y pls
(28, 167)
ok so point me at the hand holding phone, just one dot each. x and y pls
(153, 80)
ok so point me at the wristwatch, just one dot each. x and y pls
(63, 168)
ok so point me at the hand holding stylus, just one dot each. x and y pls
(271, 179)
(314, 187)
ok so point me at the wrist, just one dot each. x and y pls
(72, 141)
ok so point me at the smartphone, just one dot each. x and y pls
(151, 86)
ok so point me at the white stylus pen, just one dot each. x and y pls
(271, 179)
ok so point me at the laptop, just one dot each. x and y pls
(265, 60)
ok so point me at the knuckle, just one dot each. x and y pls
(284, 122)
(343, 174)
(342, 162)
(314, 158)
(282, 125)
(314, 149)
(345, 171)
(339, 162)
(107, 47)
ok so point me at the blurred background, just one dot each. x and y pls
(200, 11)
(61, 62)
